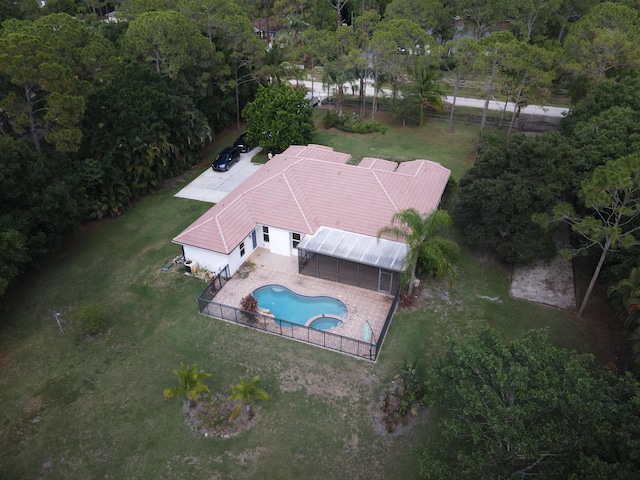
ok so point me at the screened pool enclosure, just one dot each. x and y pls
(351, 258)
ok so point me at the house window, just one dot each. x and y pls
(295, 239)
(242, 249)
(265, 234)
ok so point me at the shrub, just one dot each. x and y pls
(351, 123)
(410, 390)
(331, 120)
(249, 303)
(93, 318)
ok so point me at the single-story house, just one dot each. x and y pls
(308, 202)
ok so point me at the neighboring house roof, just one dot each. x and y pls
(307, 187)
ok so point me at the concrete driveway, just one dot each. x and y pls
(212, 186)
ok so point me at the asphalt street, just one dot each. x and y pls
(321, 92)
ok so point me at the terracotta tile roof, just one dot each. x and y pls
(305, 188)
(378, 164)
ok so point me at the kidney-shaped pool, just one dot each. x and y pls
(321, 313)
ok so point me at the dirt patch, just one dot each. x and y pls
(548, 283)
(212, 417)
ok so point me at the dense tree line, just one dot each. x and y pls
(587, 176)
(509, 183)
(94, 115)
(526, 409)
(515, 178)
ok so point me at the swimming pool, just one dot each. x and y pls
(287, 305)
(324, 323)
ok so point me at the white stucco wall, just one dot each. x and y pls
(235, 260)
(260, 233)
(206, 259)
(279, 243)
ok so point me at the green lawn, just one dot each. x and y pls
(454, 150)
(78, 408)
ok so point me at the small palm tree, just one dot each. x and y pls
(420, 233)
(247, 392)
(425, 86)
(190, 383)
(338, 73)
(292, 71)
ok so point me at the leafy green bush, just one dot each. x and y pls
(93, 318)
(410, 390)
(351, 123)
(331, 119)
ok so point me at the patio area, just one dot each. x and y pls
(264, 268)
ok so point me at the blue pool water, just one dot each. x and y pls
(325, 323)
(292, 307)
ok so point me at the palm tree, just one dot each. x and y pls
(247, 392)
(274, 68)
(292, 34)
(338, 73)
(420, 233)
(190, 383)
(426, 87)
(291, 71)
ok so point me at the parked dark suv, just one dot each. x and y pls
(226, 157)
(242, 143)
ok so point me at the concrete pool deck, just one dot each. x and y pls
(363, 305)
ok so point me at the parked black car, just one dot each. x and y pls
(226, 158)
(242, 144)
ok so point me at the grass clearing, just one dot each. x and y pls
(75, 407)
(454, 150)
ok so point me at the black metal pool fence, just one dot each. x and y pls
(267, 323)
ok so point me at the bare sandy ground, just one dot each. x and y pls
(547, 283)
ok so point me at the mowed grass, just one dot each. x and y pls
(454, 150)
(77, 408)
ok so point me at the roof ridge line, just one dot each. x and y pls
(414, 174)
(245, 192)
(195, 225)
(296, 159)
(424, 162)
(222, 235)
(228, 205)
(384, 189)
(295, 199)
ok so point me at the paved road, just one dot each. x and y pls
(321, 92)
